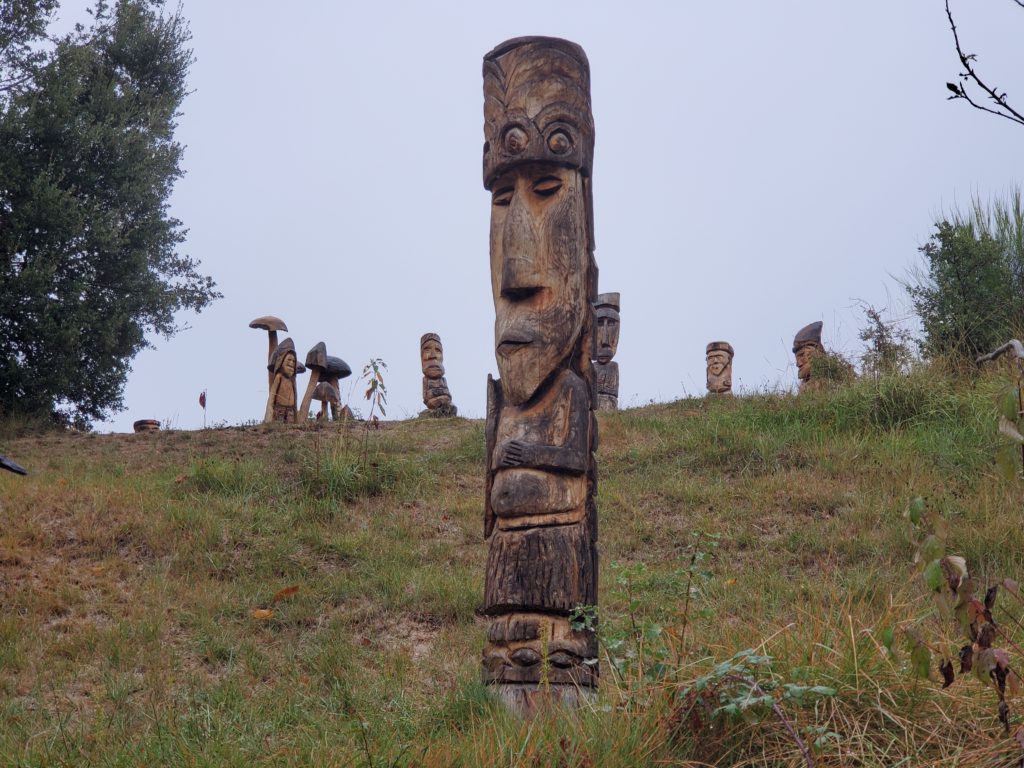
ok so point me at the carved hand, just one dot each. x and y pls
(514, 453)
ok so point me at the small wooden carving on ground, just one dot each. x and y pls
(436, 396)
(271, 325)
(719, 364)
(606, 371)
(336, 370)
(325, 394)
(540, 514)
(284, 365)
(146, 425)
(806, 345)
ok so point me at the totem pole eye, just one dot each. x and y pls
(516, 140)
(559, 142)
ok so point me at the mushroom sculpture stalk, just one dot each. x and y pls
(271, 325)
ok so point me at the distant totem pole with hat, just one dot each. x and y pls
(540, 513)
(436, 396)
(606, 371)
(718, 357)
(806, 346)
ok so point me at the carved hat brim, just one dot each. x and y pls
(809, 335)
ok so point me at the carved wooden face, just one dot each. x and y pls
(288, 365)
(539, 264)
(718, 361)
(607, 337)
(803, 360)
(432, 359)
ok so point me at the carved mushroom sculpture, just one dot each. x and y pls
(325, 393)
(271, 325)
(316, 361)
(337, 369)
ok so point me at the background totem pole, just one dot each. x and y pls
(606, 370)
(718, 355)
(539, 511)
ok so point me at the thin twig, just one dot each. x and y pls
(959, 92)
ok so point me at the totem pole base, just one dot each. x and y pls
(527, 699)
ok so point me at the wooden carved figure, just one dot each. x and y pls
(806, 345)
(540, 515)
(283, 365)
(719, 364)
(606, 372)
(436, 396)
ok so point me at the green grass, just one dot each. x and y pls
(133, 570)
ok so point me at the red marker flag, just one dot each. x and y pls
(202, 398)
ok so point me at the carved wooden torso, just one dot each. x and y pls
(606, 376)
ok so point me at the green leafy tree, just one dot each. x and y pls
(970, 293)
(89, 259)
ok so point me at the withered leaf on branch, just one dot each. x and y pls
(966, 658)
(986, 635)
(954, 569)
(946, 670)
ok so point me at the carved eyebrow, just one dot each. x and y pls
(556, 113)
(547, 185)
(502, 195)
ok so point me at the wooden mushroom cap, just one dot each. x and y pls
(146, 425)
(317, 357)
(337, 368)
(269, 323)
(326, 392)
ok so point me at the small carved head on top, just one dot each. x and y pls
(807, 344)
(431, 356)
(606, 315)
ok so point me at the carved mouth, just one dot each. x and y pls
(511, 344)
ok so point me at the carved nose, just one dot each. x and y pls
(519, 243)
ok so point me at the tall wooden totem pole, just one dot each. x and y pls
(540, 515)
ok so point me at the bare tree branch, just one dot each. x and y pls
(969, 75)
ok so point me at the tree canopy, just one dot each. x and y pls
(89, 254)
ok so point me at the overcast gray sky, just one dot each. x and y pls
(758, 166)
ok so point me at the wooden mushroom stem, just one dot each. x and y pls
(272, 336)
(307, 398)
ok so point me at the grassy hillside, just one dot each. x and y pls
(148, 613)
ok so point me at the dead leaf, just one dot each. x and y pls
(966, 658)
(946, 670)
(1008, 428)
(262, 614)
(286, 592)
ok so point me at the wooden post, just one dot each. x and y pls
(606, 371)
(540, 514)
